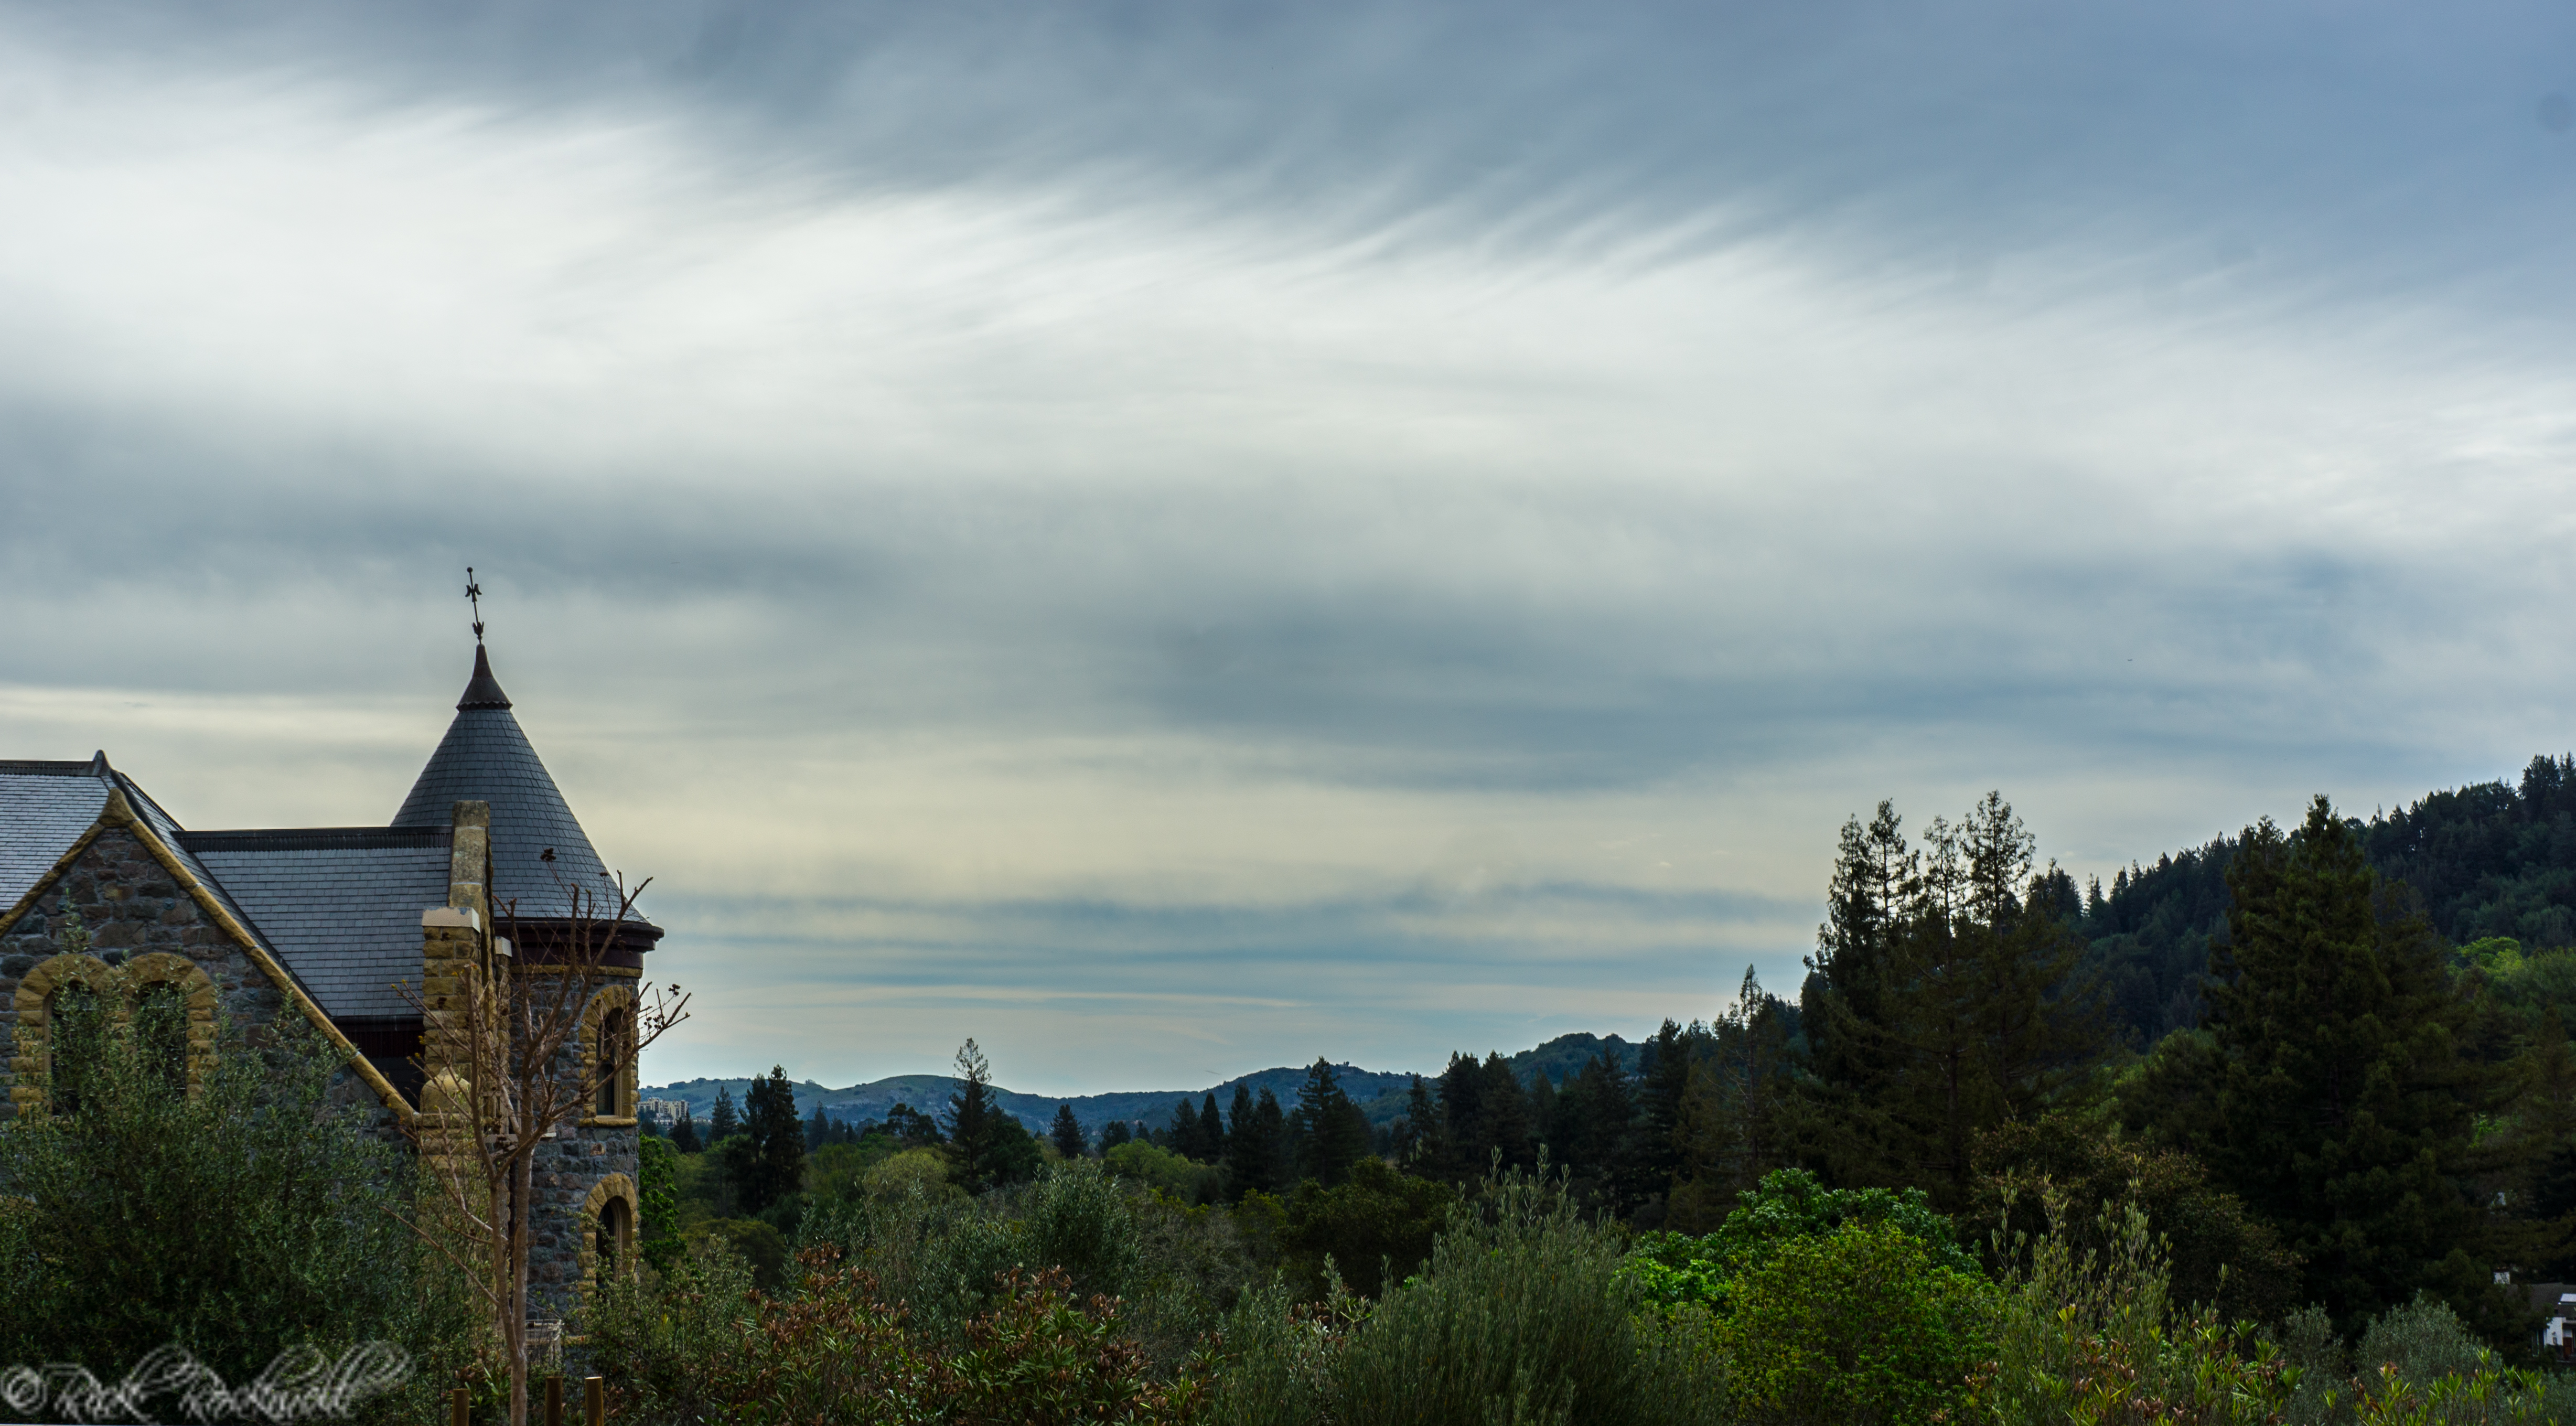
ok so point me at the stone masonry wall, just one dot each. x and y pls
(567, 1169)
(132, 907)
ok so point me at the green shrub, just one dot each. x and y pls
(706, 1345)
(2416, 1365)
(1076, 1219)
(934, 1249)
(1183, 1178)
(1520, 1316)
(656, 1182)
(242, 1221)
(2086, 1331)
(1790, 1205)
(760, 1244)
(1862, 1326)
(1376, 1227)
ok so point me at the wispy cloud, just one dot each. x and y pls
(1352, 529)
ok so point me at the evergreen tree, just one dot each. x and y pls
(1114, 1133)
(1067, 1133)
(1211, 1133)
(1728, 1131)
(1944, 999)
(1422, 1140)
(723, 1122)
(1663, 1076)
(2332, 1095)
(1331, 1133)
(1462, 1119)
(1257, 1146)
(974, 1128)
(913, 1129)
(1597, 1130)
(1553, 1117)
(818, 1131)
(1504, 1115)
(684, 1135)
(1185, 1130)
(771, 1163)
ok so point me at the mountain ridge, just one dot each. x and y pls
(1381, 1094)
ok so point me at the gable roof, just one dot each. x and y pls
(485, 757)
(38, 802)
(45, 807)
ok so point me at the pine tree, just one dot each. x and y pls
(1330, 1133)
(1598, 1129)
(1553, 1117)
(1211, 1133)
(723, 1122)
(1505, 1117)
(818, 1131)
(1663, 1075)
(1462, 1119)
(1728, 1130)
(974, 1129)
(1114, 1133)
(1185, 1129)
(2337, 1102)
(684, 1135)
(770, 1163)
(1422, 1140)
(1257, 1147)
(1067, 1132)
(1943, 999)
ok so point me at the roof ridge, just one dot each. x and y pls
(48, 767)
(252, 839)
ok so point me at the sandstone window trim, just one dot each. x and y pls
(119, 989)
(198, 994)
(608, 1030)
(625, 1222)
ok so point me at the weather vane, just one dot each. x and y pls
(474, 596)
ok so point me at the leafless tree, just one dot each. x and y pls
(504, 1071)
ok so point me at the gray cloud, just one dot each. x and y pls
(1110, 502)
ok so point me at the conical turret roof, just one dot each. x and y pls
(486, 758)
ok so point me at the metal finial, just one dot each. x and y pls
(474, 596)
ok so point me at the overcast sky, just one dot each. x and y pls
(1175, 538)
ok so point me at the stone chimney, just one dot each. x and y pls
(455, 960)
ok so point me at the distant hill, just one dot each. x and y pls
(2490, 859)
(1380, 1093)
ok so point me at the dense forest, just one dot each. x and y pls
(2331, 1052)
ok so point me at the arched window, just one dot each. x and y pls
(76, 1035)
(161, 1034)
(616, 1238)
(616, 1057)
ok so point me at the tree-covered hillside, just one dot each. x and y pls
(2491, 859)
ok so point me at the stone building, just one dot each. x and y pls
(478, 868)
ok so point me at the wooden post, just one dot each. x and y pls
(456, 1413)
(554, 1401)
(594, 1400)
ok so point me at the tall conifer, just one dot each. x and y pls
(2337, 1103)
(1067, 1133)
(974, 1127)
(1331, 1136)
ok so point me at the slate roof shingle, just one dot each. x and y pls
(340, 905)
(44, 808)
(486, 757)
